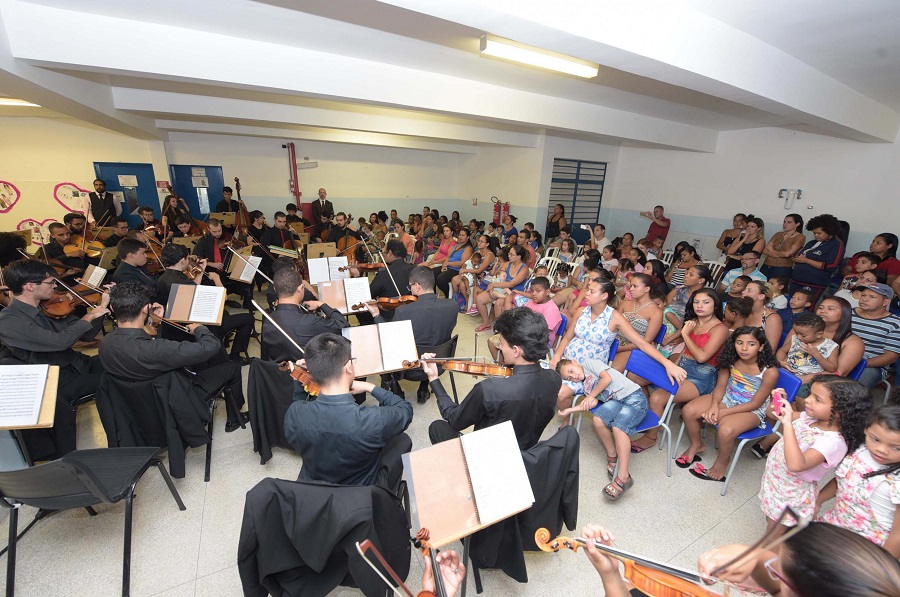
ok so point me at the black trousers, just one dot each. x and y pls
(241, 324)
(441, 431)
(391, 458)
(442, 279)
(217, 377)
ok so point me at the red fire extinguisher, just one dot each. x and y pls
(501, 210)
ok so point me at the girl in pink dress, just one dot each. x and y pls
(866, 487)
(814, 443)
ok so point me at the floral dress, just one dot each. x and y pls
(781, 487)
(852, 505)
(591, 341)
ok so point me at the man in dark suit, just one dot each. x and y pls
(322, 207)
(433, 320)
(103, 208)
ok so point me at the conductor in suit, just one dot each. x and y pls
(322, 207)
(103, 208)
(433, 320)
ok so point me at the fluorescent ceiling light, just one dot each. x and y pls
(498, 47)
(8, 101)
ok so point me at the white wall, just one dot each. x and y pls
(857, 182)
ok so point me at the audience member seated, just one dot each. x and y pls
(884, 246)
(642, 313)
(513, 277)
(750, 239)
(685, 258)
(749, 263)
(783, 246)
(473, 272)
(879, 331)
(761, 316)
(851, 293)
(816, 263)
(538, 300)
(449, 266)
(340, 442)
(695, 278)
(801, 302)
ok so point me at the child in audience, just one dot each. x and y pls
(737, 311)
(418, 255)
(866, 485)
(656, 249)
(467, 280)
(573, 302)
(873, 276)
(563, 271)
(806, 352)
(540, 303)
(779, 301)
(518, 298)
(567, 250)
(626, 268)
(618, 406)
(748, 373)
(637, 259)
(645, 244)
(800, 302)
(737, 288)
(608, 259)
(865, 261)
(814, 442)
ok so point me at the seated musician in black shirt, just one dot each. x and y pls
(175, 259)
(257, 226)
(56, 248)
(132, 263)
(279, 234)
(340, 442)
(75, 222)
(310, 293)
(181, 229)
(300, 323)
(207, 247)
(396, 282)
(31, 337)
(321, 230)
(527, 397)
(342, 233)
(128, 352)
(149, 221)
(120, 231)
(293, 218)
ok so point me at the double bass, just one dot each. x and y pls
(242, 216)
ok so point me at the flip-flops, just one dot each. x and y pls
(682, 461)
(636, 449)
(482, 328)
(701, 472)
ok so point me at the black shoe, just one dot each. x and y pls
(759, 451)
(232, 304)
(396, 389)
(242, 361)
(232, 425)
(422, 395)
(386, 382)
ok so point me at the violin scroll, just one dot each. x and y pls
(542, 539)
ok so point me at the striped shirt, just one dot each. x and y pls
(878, 335)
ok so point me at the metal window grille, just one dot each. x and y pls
(578, 185)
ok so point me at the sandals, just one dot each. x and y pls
(636, 449)
(617, 488)
(611, 463)
(701, 472)
(683, 462)
(482, 328)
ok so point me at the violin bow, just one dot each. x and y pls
(256, 269)
(388, 268)
(75, 294)
(367, 545)
(767, 541)
(277, 327)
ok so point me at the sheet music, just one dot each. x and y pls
(21, 394)
(398, 344)
(318, 270)
(250, 268)
(96, 275)
(497, 472)
(205, 306)
(357, 291)
(333, 264)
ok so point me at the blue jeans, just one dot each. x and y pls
(625, 414)
(703, 375)
(771, 271)
(872, 376)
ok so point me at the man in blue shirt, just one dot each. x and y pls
(340, 442)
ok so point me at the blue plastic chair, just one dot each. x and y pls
(560, 330)
(857, 371)
(660, 336)
(787, 381)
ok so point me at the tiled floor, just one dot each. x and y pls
(193, 553)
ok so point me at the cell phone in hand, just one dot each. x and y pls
(585, 227)
(779, 401)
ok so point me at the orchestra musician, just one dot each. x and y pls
(433, 319)
(258, 226)
(28, 336)
(322, 229)
(383, 283)
(132, 263)
(293, 218)
(301, 325)
(310, 293)
(120, 231)
(147, 220)
(103, 207)
(128, 352)
(75, 222)
(210, 246)
(340, 442)
(278, 234)
(181, 229)
(60, 238)
(343, 235)
(527, 398)
(175, 259)
(173, 208)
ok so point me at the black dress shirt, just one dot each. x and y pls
(338, 233)
(131, 273)
(131, 353)
(53, 250)
(35, 339)
(204, 248)
(527, 398)
(433, 318)
(227, 206)
(165, 281)
(340, 441)
(299, 325)
(276, 236)
(382, 286)
(112, 240)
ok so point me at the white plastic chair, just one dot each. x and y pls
(717, 269)
(550, 252)
(552, 264)
(667, 257)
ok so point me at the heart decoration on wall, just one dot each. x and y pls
(71, 196)
(9, 196)
(38, 229)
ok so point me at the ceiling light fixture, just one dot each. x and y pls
(497, 47)
(8, 101)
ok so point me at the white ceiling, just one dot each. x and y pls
(407, 72)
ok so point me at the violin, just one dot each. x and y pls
(302, 375)
(91, 248)
(193, 268)
(646, 575)
(386, 303)
(60, 267)
(152, 327)
(464, 366)
(63, 303)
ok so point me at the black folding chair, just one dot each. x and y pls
(80, 479)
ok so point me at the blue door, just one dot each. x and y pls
(188, 181)
(136, 182)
